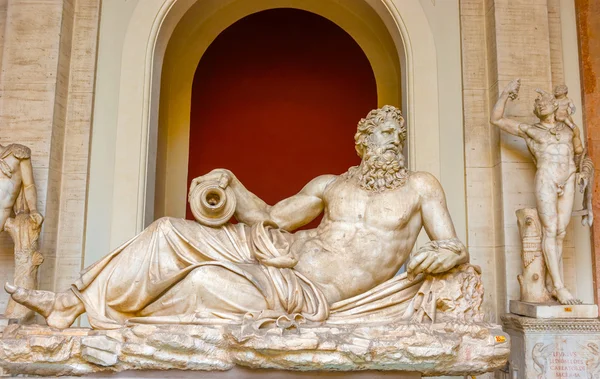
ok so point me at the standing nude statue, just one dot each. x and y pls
(343, 271)
(555, 148)
(18, 194)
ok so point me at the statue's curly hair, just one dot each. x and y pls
(373, 119)
(544, 98)
(561, 89)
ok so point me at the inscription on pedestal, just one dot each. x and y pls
(566, 357)
(553, 348)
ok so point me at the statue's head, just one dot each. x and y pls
(379, 141)
(544, 105)
(561, 90)
(383, 129)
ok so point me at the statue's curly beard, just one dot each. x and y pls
(380, 169)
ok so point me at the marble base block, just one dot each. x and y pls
(246, 373)
(553, 348)
(401, 349)
(553, 310)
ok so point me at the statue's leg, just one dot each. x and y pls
(565, 207)
(215, 288)
(4, 215)
(547, 207)
(60, 309)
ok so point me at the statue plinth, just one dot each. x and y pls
(402, 348)
(548, 310)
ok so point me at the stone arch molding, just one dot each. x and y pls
(152, 24)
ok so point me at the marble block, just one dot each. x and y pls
(536, 310)
(553, 348)
(246, 373)
(430, 350)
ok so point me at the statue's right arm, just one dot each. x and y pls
(497, 117)
(300, 209)
(288, 214)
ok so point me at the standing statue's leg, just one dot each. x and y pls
(565, 207)
(60, 309)
(4, 215)
(547, 206)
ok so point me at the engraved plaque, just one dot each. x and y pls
(566, 357)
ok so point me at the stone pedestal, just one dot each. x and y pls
(535, 310)
(399, 349)
(246, 373)
(553, 348)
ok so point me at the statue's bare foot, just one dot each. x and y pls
(60, 309)
(564, 296)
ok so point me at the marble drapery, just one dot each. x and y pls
(189, 273)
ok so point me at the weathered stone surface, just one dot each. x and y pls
(435, 349)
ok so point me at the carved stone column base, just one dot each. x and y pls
(550, 310)
(553, 348)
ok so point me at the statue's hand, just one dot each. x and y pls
(512, 89)
(36, 217)
(582, 180)
(431, 260)
(217, 174)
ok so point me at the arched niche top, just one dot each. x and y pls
(200, 27)
(150, 28)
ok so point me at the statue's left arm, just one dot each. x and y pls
(445, 250)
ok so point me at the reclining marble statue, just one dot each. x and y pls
(561, 162)
(261, 275)
(181, 270)
(20, 218)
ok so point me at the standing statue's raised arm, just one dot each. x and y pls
(497, 118)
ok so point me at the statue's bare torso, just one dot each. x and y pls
(552, 148)
(10, 186)
(363, 239)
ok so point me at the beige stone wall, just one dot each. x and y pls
(46, 88)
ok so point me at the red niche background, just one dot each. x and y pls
(276, 99)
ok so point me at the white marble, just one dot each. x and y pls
(553, 310)
(261, 276)
(561, 164)
(20, 218)
(262, 270)
(436, 349)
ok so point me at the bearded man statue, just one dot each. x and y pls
(260, 272)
